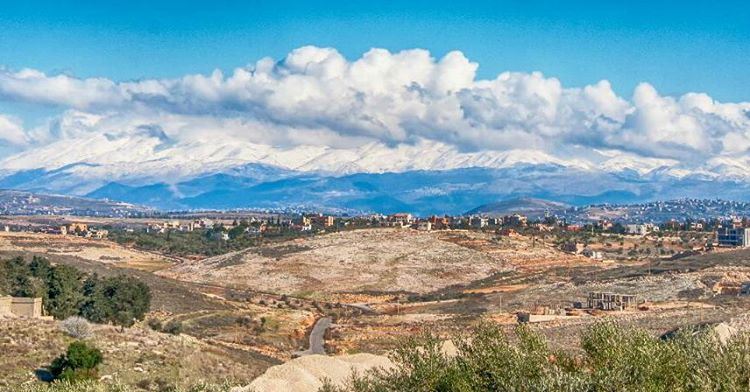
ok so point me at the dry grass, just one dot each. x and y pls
(102, 251)
(135, 356)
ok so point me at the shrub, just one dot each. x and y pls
(155, 324)
(79, 362)
(77, 327)
(614, 359)
(173, 327)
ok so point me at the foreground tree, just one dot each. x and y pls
(613, 358)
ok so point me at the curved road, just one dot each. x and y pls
(317, 338)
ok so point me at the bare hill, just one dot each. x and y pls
(375, 260)
(527, 206)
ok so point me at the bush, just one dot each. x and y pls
(77, 327)
(79, 363)
(155, 324)
(614, 359)
(173, 327)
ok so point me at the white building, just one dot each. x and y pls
(641, 229)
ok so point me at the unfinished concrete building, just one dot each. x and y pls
(745, 288)
(21, 307)
(611, 301)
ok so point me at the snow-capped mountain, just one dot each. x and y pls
(151, 157)
(425, 177)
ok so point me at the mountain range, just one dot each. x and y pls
(426, 177)
(422, 192)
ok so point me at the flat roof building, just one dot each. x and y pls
(736, 237)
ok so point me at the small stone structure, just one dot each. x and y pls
(611, 301)
(21, 307)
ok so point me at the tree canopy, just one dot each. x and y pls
(68, 292)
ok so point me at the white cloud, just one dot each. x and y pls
(316, 97)
(11, 132)
(34, 86)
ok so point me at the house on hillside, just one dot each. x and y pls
(439, 222)
(641, 229)
(611, 301)
(572, 247)
(478, 222)
(515, 220)
(400, 220)
(76, 227)
(593, 254)
(323, 220)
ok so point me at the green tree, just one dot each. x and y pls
(121, 300)
(237, 231)
(17, 277)
(64, 292)
(40, 267)
(92, 305)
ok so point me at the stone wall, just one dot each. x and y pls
(5, 306)
(21, 307)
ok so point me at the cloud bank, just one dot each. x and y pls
(314, 97)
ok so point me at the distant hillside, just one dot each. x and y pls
(27, 203)
(530, 207)
(654, 212)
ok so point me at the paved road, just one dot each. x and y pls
(317, 338)
(363, 307)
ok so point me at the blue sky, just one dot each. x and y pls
(358, 86)
(676, 46)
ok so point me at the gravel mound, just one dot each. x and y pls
(306, 374)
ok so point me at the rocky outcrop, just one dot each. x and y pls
(307, 374)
